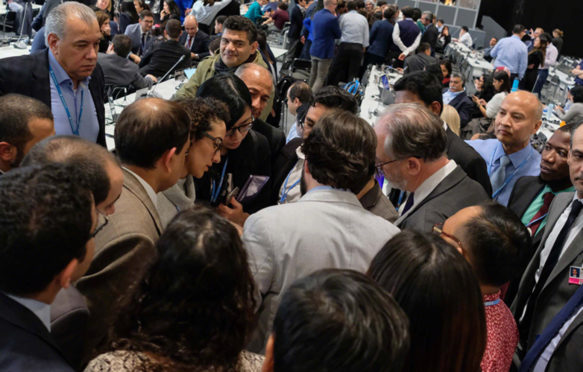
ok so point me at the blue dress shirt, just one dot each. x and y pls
(512, 53)
(88, 125)
(525, 162)
(325, 28)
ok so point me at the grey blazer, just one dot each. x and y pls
(124, 250)
(119, 71)
(455, 192)
(556, 290)
(135, 33)
(326, 228)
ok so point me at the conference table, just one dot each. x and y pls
(471, 62)
(376, 97)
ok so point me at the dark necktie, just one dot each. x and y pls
(548, 266)
(409, 203)
(144, 38)
(551, 330)
(538, 218)
(189, 42)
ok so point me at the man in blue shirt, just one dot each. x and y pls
(325, 28)
(512, 53)
(66, 77)
(510, 156)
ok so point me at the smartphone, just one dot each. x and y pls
(232, 194)
(385, 81)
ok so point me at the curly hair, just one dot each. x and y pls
(202, 113)
(195, 307)
(340, 151)
(45, 222)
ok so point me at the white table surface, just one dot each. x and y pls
(371, 106)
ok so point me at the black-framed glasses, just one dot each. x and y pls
(101, 226)
(379, 166)
(438, 229)
(217, 142)
(243, 128)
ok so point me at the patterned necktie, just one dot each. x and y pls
(537, 219)
(499, 176)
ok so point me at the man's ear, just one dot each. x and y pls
(413, 166)
(254, 46)
(435, 107)
(166, 159)
(64, 277)
(53, 40)
(8, 152)
(268, 362)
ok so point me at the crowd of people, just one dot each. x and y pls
(210, 240)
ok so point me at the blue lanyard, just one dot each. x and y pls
(535, 221)
(215, 191)
(74, 129)
(492, 303)
(508, 179)
(285, 189)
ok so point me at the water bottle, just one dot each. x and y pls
(514, 85)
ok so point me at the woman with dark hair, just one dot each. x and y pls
(170, 10)
(140, 5)
(194, 309)
(207, 133)
(443, 39)
(105, 28)
(574, 115)
(245, 152)
(536, 57)
(446, 71)
(127, 15)
(440, 294)
(502, 85)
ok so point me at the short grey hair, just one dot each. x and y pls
(427, 14)
(57, 18)
(413, 131)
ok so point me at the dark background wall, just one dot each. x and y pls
(566, 15)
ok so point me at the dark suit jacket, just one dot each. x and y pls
(200, 44)
(418, 62)
(283, 164)
(29, 75)
(124, 251)
(455, 192)
(464, 107)
(524, 192)
(274, 136)
(25, 343)
(162, 56)
(119, 71)
(468, 159)
(568, 355)
(430, 36)
(556, 291)
(69, 318)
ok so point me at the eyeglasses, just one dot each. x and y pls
(243, 128)
(217, 142)
(438, 229)
(100, 227)
(379, 166)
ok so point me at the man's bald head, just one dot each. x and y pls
(260, 84)
(517, 120)
(190, 25)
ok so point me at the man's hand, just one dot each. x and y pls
(135, 58)
(193, 56)
(402, 56)
(234, 214)
(303, 39)
(152, 77)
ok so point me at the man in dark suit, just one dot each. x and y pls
(163, 55)
(411, 145)
(48, 222)
(118, 70)
(151, 140)
(431, 33)
(140, 32)
(195, 40)
(546, 285)
(423, 88)
(532, 195)
(456, 97)
(76, 100)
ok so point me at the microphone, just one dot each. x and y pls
(152, 91)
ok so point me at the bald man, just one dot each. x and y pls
(195, 40)
(510, 156)
(260, 84)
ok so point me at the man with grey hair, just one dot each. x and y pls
(410, 152)
(66, 77)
